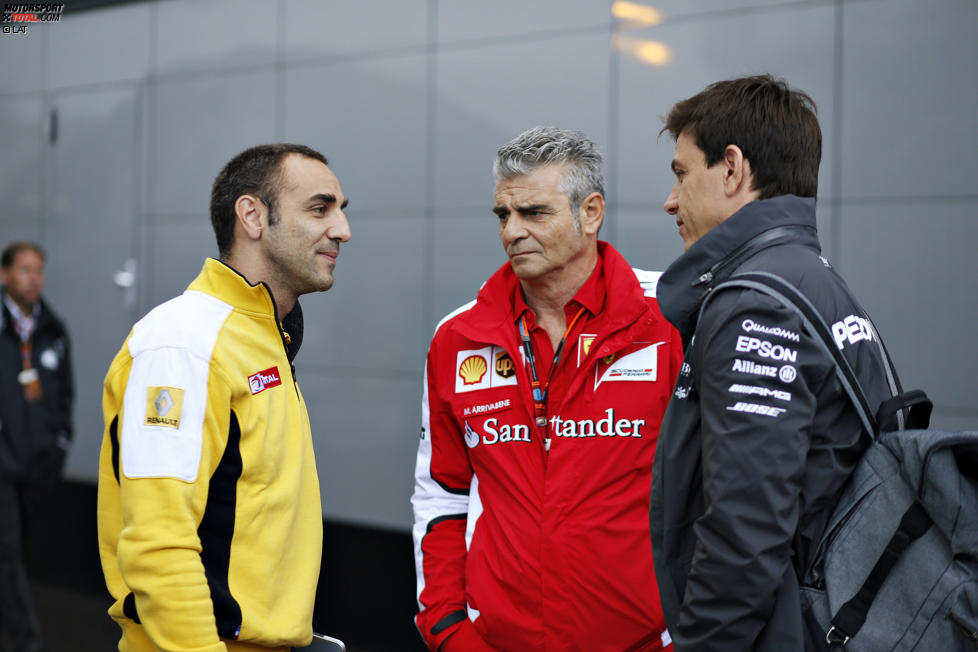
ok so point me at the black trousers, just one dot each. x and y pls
(19, 629)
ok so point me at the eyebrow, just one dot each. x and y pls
(328, 198)
(527, 208)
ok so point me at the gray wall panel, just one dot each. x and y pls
(94, 47)
(371, 319)
(368, 117)
(94, 165)
(173, 252)
(648, 239)
(465, 251)
(461, 20)
(88, 236)
(22, 139)
(906, 264)
(200, 123)
(26, 228)
(794, 43)
(314, 28)
(203, 36)
(701, 9)
(910, 88)
(366, 433)
(22, 56)
(488, 95)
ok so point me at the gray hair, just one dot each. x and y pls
(541, 146)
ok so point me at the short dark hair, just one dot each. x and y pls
(11, 250)
(775, 126)
(255, 171)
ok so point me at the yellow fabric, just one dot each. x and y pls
(148, 526)
(136, 640)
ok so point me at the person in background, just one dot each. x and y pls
(541, 409)
(36, 395)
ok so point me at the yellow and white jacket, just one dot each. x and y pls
(209, 515)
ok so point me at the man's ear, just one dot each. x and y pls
(738, 177)
(252, 215)
(591, 213)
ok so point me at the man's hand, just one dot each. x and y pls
(465, 639)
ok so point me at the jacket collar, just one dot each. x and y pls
(220, 280)
(494, 308)
(223, 282)
(715, 257)
(43, 314)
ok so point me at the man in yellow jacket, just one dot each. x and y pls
(210, 525)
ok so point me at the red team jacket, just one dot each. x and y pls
(543, 550)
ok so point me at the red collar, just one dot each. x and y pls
(491, 319)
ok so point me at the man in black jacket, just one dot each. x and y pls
(759, 437)
(36, 394)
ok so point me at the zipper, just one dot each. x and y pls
(284, 337)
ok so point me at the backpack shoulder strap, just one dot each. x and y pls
(785, 293)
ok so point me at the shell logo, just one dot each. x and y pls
(472, 369)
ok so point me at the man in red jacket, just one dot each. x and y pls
(541, 410)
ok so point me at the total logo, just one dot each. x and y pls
(490, 366)
(263, 380)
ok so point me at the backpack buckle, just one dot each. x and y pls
(836, 638)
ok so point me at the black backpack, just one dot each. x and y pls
(897, 565)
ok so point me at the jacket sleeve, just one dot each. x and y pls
(443, 476)
(752, 360)
(173, 430)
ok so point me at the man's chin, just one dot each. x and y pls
(524, 270)
(320, 284)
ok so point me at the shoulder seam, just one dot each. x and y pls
(455, 313)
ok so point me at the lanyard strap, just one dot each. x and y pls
(25, 354)
(540, 390)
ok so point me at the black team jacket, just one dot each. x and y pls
(34, 436)
(759, 436)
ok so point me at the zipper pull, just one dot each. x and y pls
(705, 277)
(546, 444)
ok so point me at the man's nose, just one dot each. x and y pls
(672, 201)
(513, 229)
(340, 229)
